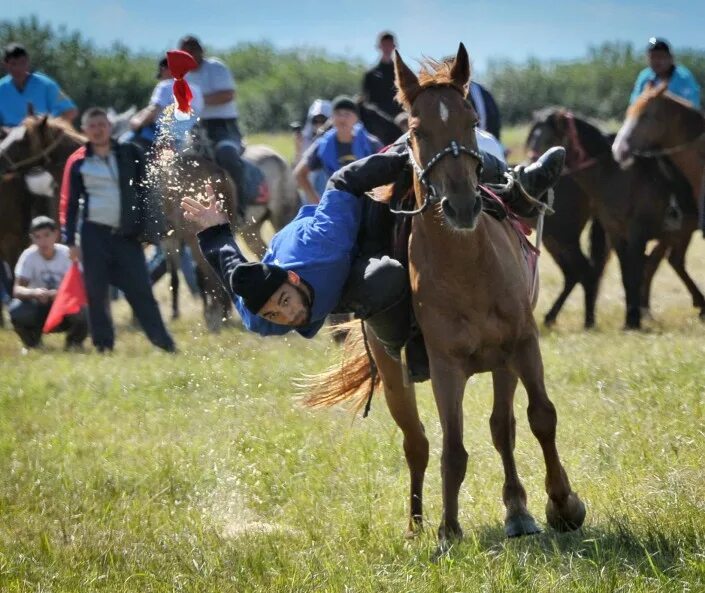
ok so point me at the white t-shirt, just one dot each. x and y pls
(163, 95)
(213, 76)
(40, 272)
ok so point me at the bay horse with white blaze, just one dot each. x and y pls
(471, 295)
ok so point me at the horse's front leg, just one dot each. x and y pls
(564, 509)
(401, 401)
(448, 381)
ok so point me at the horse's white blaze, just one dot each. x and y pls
(443, 111)
(620, 146)
(16, 134)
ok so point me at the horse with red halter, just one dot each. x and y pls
(633, 205)
(660, 124)
(471, 290)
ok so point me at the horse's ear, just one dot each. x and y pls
(30, 109)
(460, 71)
(43, 122)
(406, 81)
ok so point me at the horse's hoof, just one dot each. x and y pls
(702, 315)
(549, 321)
(646, 314)
(568, 516)
(519, 525)
(414, 529)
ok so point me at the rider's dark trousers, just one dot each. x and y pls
(28, 319)
(227, 146)
(109, 258)
(378, 288)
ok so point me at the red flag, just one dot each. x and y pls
(69, 299)
(181, 62)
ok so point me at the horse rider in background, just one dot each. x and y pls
(22, 91)
(319, 112)
(662, 68)
(346, 141)
(145, 124)
(219, 118)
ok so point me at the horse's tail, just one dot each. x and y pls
(599, 250)
(348, 381)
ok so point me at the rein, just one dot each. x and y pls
(576, 147)
(42, 155)
(432, 197)
(657, 152)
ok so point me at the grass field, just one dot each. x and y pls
(147, 472)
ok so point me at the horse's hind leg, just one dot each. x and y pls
(517, 521)
(677, 260)
(651, 264)
(401, 401)
(564, 509)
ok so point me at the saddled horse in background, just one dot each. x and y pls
(662, 125)
(472, 298)
(378, 122)
(633, 206)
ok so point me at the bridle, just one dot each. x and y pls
(15, 166)
(432, 197)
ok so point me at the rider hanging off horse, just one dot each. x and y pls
(335, 257)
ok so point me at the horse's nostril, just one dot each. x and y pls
(447, 207)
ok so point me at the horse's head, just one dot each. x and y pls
(30, 144)
(549, 128)
(656, 122)
(442, 141)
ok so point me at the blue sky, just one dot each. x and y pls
(490, 29)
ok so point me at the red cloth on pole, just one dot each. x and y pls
(181, 62)
(69, 299)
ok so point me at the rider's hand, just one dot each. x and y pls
(204, 216)
(75, 253)
(42, 295)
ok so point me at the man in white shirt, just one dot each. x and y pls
(219, 115)
(38, 273)
(146, 122)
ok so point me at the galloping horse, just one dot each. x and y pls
(632, 205)
(471, 289)
(660, 124)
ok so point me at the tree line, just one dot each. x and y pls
(275, 86)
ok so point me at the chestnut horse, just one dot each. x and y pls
(660, 124)
(633, 205)
(471, 296)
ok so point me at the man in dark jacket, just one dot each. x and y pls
(103, 181)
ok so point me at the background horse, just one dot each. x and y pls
(471, 294)
(633, 206)
(660, 124)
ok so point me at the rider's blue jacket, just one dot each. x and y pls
(319, 245)
(682, 83)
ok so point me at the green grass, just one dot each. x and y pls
(147, 472)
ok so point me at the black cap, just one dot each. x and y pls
(256, 282)
(344, 102)
(42, 222)
(190, 40)
(658, 44)
(14, 50)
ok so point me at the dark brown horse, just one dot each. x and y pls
(471, 293)
(633, 206)
(660, 124)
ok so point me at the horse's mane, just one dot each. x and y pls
(661, 90)
(433, 73)
(31, 122)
